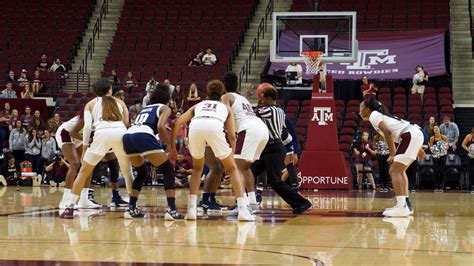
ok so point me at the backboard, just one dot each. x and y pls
(334, 33)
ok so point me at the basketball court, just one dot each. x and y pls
(343, 228)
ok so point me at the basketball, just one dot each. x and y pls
(261, 87)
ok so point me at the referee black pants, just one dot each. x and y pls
(272, 160)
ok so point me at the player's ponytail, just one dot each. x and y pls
(110, 109)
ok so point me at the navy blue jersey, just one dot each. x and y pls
(149, 116)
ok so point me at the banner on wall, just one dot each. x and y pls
(390, 55)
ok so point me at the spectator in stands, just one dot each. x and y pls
(13, 118)
(150, 87)
(363, 163)
(209, 59)
(11, 171)
(43, 64)
(130, 81)
(38, 126)
(27, 92)
(37, 84)
(33, 150)
(17, 141)
(11, 78)
(429, 127)
(56, 171)
(294, 74)
(368, 88)
(197, 61)
(182, 133)
(183, 169)
(48, 148)
(57, 66)
(5, 116)
(382, 156)
(114, 79)
(118, 93)
(193, 96)
(26, 118)
(137, 108)
(54, 123)
(439, 162)
(8, 92)
(37, 115)
(133, 108)
(420, 79)
(178, 97)
(170, 86)
(23, 79)
(468, 146)
(451, 130)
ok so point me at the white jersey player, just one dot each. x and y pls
(109, 118)
(409, 139)
(209, 119)
(252, 134)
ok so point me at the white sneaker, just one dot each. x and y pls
(397, 212)
(88, 204)
(400, 225)
(191, 214)
(232, 212)
(245, 215)
(255, 208)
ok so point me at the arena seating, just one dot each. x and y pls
(42, 27)
(399, 101)
(161, 37)
(381, 15)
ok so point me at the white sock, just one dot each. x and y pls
(401, 201)
(192, 201)
(72, 199)
(241, 203)
(252, 198)
(67, 192)
(246, 200)
(85, 194)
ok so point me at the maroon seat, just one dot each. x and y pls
(347, 131)
(350, 123)
(346, 139)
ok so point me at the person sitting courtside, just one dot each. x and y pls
(294, 74)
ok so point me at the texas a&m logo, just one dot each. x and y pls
(368, 58)
(322, 115)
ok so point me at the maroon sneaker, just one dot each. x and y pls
(68, 213)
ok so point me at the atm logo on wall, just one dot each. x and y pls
(369, 62)
(322, 115)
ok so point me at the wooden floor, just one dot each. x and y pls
(343, 228)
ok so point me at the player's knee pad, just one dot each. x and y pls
(113, 170)
(168, 174)
(142, 173)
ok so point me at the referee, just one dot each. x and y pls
(273, 156)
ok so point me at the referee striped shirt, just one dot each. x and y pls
(274, 118)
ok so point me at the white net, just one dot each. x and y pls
(312, 61)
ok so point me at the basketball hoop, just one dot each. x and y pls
(312, 60)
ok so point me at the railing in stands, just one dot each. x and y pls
(471, 29)
(255, 47)
(104, 10)
(78, 81)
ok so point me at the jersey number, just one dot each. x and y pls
(212, 106)
(141, 118)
